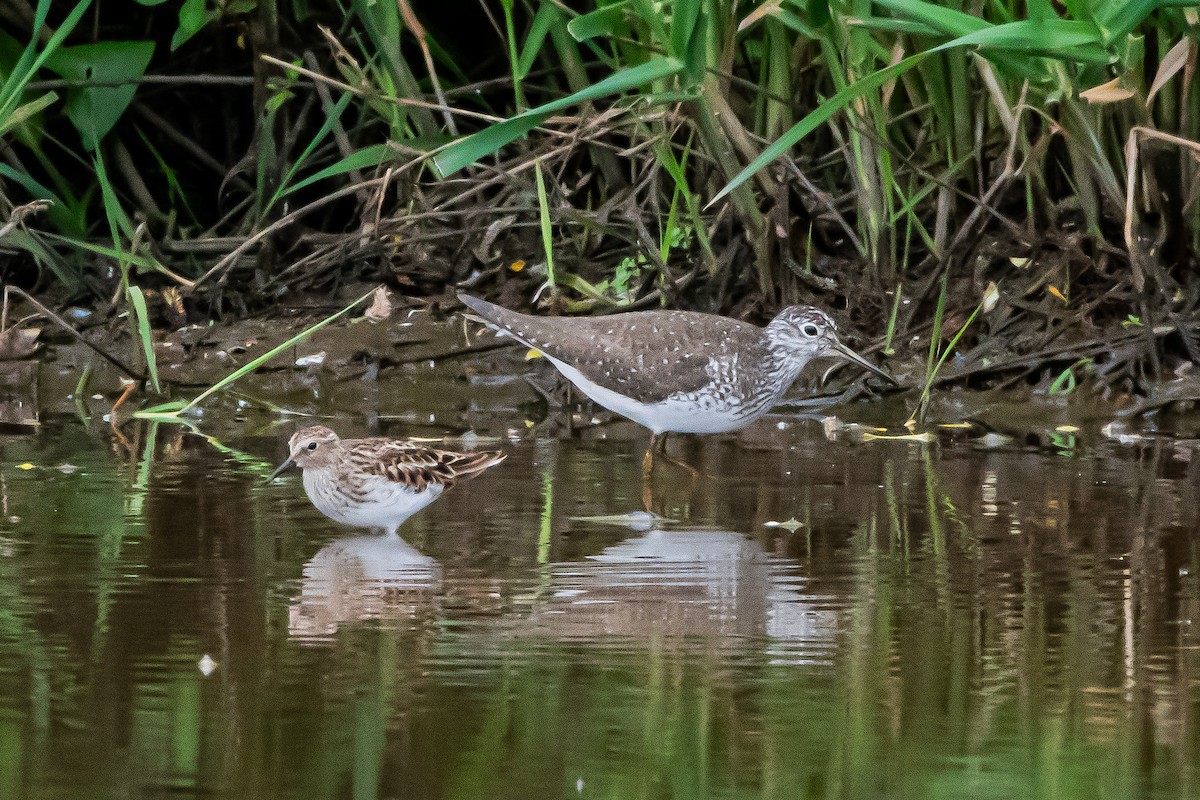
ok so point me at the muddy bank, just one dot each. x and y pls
(424, 368)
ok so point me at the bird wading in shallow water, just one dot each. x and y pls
(377, 482)
(678, 371)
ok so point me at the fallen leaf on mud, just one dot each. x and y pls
(381, 306)
(17, 343)
(517, 265)
(1052, 289)
(532, 354)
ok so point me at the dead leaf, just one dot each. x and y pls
(18, 343)
(771, 7)
(1110, 92)
(991, 296)
(1172, 62)
(1052, 289)
(381, 306)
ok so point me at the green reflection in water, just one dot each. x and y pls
(995, 625)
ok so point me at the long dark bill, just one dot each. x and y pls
(848, 354)
(282, 468)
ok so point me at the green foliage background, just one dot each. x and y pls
(852, 153)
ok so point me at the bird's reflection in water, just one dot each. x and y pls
(363, 577)
(716, 585)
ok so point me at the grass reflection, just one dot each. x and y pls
(944, 623)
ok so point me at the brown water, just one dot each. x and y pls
(816, 618)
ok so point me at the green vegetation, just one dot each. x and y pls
(706, 153)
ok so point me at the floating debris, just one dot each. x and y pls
(314, 360)
(636, 520)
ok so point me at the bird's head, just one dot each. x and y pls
(802, 333)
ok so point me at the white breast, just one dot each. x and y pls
(676, 414)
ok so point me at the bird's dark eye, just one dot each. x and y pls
(312, 445)
(810, 330)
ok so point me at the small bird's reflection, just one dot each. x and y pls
(363, 577)
(708, 584)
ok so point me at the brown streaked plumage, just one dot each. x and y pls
(376, 482)
(679, 371)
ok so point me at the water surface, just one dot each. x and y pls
(814, 618)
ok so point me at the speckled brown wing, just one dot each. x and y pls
(645, 355)
(417, 466)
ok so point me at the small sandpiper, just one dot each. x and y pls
(678, 371)
(377, 482)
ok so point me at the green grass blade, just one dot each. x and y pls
(470, 149)
(245, 370)
(822, 113)
(137, 305)
(544, 218)
(601, 23)
(365, 158)
(13, 87)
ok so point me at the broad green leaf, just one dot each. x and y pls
(470, 149)
(193, 16)
(109, 72)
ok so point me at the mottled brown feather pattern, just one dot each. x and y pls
(377, 482)
(413, 465)
(645, 355)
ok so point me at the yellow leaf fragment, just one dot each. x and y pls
(899, 437)
(1109, 92)
(991, 296)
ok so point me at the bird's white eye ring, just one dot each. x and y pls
(810, 330)
(312, 445)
